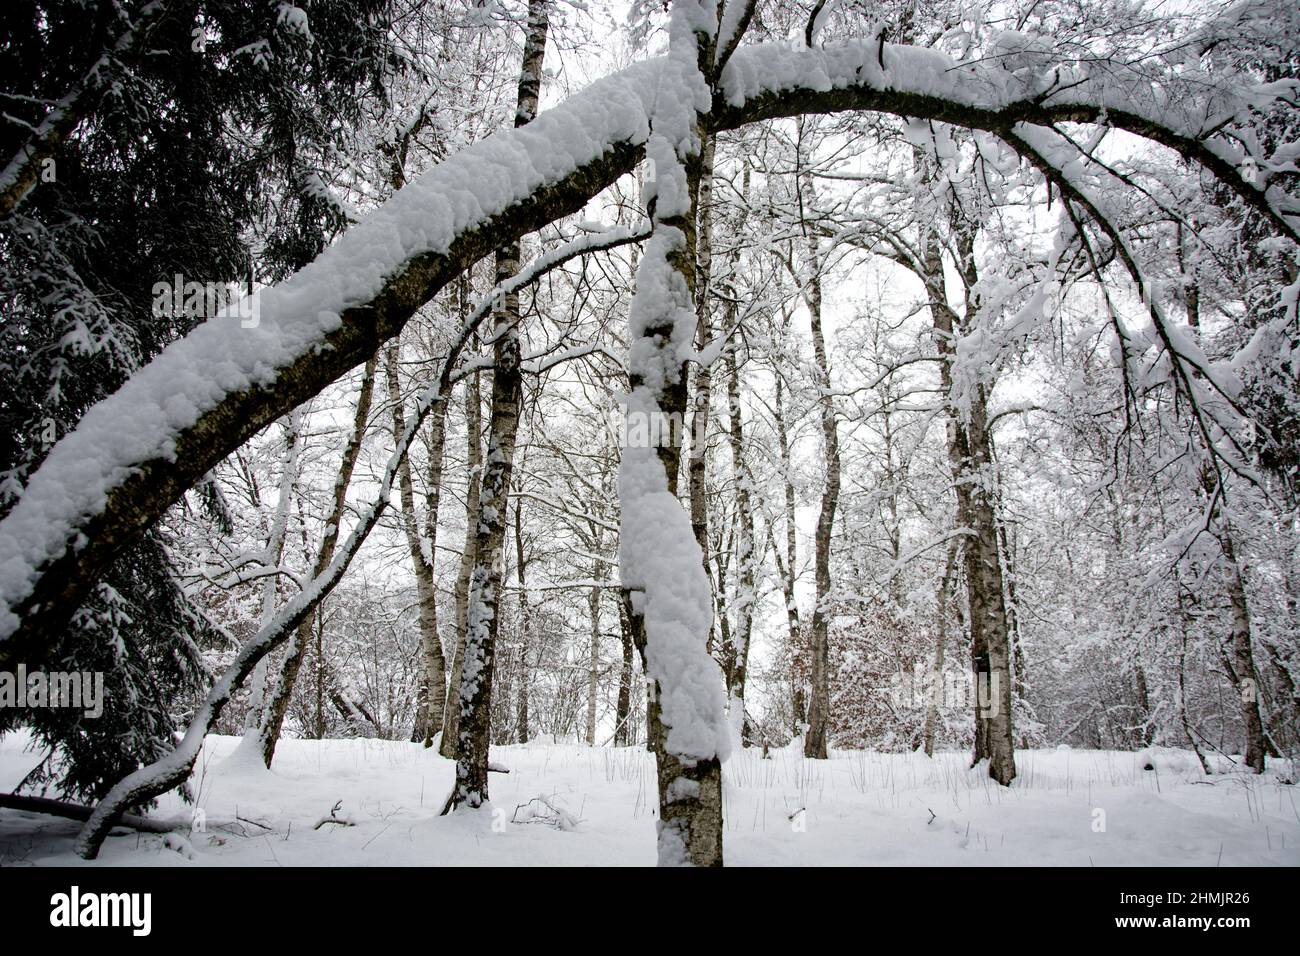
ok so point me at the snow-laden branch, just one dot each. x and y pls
(133, 454)
(1188, 112)
(1204, 384)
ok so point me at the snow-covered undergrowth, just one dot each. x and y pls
(372, 802)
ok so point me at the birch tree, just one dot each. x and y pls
(473, 728)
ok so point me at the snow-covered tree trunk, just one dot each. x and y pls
(748, 558)
(661, 562)
(990, 632)
(1288, 706)
(1019, 665)
(482, 620)
(435, 662)
(474, 702)
(970, 457)
(815, 743)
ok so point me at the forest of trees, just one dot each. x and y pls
(880, 374)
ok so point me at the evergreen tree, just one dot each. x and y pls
(202, 146)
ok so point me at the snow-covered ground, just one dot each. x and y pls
(856, 809)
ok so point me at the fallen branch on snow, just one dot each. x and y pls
(76, 811)
(548, 813)
(335, 818)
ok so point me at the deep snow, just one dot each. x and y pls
(856, 809)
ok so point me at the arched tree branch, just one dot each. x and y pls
(136, 452)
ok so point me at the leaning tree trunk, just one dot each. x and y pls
(92, 527)
(483, 615)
